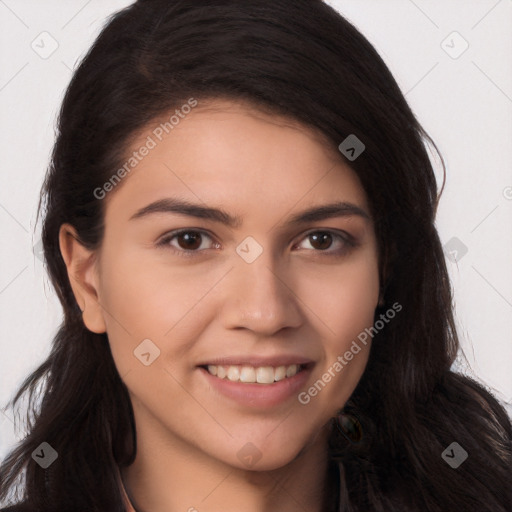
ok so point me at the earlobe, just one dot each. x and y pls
(83, 278)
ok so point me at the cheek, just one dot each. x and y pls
(355, 312)
(132, 301)
(355, 305)
(344, 297)
(345, 304)
(151, 301)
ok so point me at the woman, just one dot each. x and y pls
(239, 223)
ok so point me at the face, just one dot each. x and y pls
(199, 302)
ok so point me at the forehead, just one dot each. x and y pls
(234, 154)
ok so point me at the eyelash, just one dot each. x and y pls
(348, 242)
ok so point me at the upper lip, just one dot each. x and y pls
(258, 361)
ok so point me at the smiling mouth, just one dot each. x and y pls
(254, 374)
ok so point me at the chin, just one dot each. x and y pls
(268, 454)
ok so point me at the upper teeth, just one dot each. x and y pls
(261, 374)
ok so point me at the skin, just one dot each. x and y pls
(294, 298)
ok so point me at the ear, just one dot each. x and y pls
(83, 277)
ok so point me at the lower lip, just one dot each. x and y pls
(259, 395)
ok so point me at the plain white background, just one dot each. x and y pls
(462, 96)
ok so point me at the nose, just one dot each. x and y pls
(260, 297)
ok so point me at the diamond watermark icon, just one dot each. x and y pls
(454, 45)
(351, 147)
(249, 454)
(146, 352)
(455, 250)
(454, 455)
(45, 45)
(249, 249)
(44, 455)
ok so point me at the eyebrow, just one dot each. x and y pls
(184, 207)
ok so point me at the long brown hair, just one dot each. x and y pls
(297, 58)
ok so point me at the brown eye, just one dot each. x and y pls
(186, 242)
(189, 240)
(321, 240)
